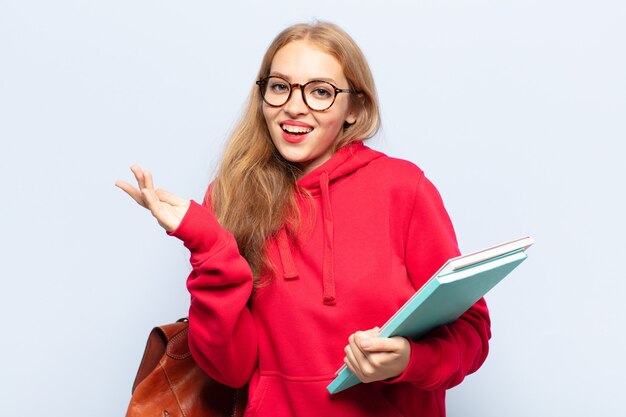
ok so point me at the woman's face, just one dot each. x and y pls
(301, 135)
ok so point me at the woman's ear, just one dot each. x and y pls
(351, 117)
(356, 106)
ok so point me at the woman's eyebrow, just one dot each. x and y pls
(286, 77)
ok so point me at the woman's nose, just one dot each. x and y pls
(296, 103)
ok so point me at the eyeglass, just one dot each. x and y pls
(317, 95)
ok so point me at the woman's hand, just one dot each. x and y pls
(372, 358)
(167, 208)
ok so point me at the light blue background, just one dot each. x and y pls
(515, 109)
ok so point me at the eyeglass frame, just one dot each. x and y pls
(301, 87)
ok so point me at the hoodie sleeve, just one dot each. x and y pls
(443, 357)
(222, 334)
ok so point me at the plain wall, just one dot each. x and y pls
(516, 110)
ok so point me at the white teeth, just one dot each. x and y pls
(296, 129)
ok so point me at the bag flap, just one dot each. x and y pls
(158, 344)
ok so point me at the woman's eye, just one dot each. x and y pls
(320, 92)
(279, 87)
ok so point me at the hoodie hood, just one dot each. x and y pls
(344, 162)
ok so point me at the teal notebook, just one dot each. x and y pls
(458, 284)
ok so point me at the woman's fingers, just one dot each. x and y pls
(148, 182)
(167, 208)
(372, 358)
(139, 175)
(133, 192)
(151, 200)
(357, 358)
(145, 194)
(350, 364)
(170, 198)
(354, 358)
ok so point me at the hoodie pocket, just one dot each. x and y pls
(381, 403)
(284, 396)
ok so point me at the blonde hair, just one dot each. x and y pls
(254, 194)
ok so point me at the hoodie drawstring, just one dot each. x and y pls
(289, 268)
(344, 162)
(329, 246)
(328, 272)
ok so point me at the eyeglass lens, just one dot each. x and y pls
(318, 95)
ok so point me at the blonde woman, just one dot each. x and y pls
(308, 239)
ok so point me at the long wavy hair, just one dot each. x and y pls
(254, 193)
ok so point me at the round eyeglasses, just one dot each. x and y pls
(318, 95)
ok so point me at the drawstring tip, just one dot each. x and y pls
(329, 301)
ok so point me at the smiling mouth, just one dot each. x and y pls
(296, 130)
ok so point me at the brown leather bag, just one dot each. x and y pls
(170, 384)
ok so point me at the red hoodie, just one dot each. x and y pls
(373, 232)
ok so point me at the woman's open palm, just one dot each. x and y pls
(166, 207)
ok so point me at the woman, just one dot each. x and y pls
(308, 239)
